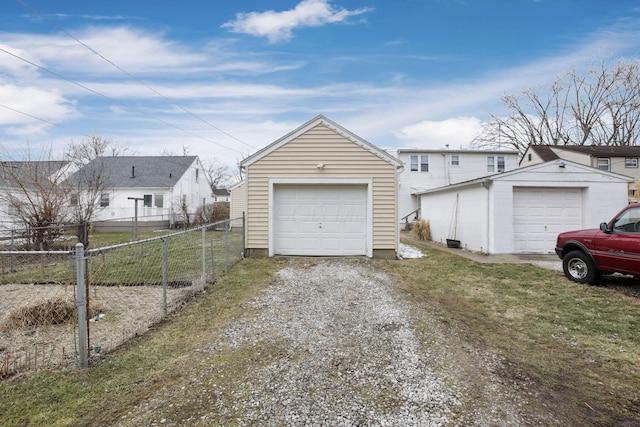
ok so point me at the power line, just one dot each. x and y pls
(53, 24)
(116, 101)
(43, 120)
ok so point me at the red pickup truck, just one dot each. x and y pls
(614, 248)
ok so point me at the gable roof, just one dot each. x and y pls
(544, 152)
(140, 171)
(320, 120)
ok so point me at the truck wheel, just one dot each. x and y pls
(579, 267)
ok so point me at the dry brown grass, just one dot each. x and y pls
(53, 311)
(422, 230)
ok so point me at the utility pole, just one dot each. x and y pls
(135, 218)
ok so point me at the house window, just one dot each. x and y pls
(495, 164)
(104, 200)
(603, 163)
(455, 160)
(159, 201)
(414, 163)
(147, 200)
(424, 163)
(197, 174)
(631, 162)
(74, 199)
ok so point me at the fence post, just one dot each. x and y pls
(81, 304)
(164, 276)
(226, 244)
(204, 258)
(244, 234)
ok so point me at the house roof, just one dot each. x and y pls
(32, 170)
(141, 171)
(542, 166)
(548, 152)
(221, 192)
(544, 152)
(321, 120)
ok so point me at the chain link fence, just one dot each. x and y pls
(123, 290)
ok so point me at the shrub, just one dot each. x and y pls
(421, 230)
(54, 311)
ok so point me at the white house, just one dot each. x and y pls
(523, 210)
(161, 188)
(619, 159)
(221, 195)
(428, 169)
(21, 181)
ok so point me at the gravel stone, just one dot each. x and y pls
(349, 354)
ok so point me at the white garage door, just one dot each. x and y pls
(320, 220)
(539, 214)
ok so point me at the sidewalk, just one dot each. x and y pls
(549, 261)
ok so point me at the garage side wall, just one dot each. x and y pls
(472, 211)
(238, 200)
(342, 159)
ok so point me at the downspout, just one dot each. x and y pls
(487, 185)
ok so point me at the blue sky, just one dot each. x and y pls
(227, 78)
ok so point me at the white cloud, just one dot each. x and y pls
(455, 133)
(24, 102)
(279, 26)
(133, 50)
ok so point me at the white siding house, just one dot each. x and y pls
(523, 210)
(427, 169)
(163, 187)
(320, 191)
(624, 160)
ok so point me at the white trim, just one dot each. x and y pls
(319, 181)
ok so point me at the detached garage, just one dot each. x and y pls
(320, 191)
(523, 210)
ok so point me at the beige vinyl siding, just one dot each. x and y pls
(238, 200)
(343, 158)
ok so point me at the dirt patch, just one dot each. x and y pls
(117, 313)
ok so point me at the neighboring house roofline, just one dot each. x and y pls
(444, 150)
(502, 175)
(320, 119)
(141, 171)
(548, 152)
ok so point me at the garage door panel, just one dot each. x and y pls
(320, 219)
(539, 214)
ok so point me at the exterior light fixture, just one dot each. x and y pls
(320, 165)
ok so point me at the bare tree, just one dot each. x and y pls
(34, 193)
(599, 106)
(83, 152)
(87, 185)
(217, 174)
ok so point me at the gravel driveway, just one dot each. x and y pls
(350, 352)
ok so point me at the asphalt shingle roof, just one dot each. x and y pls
(142, 171)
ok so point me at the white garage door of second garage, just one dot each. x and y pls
(320, 220)
(539, 214)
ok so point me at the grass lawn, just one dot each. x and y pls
(577, 343)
